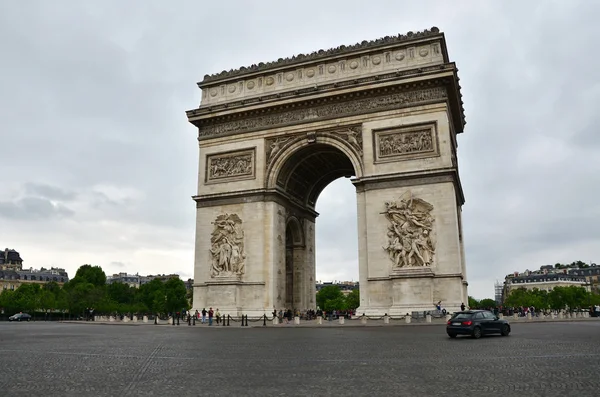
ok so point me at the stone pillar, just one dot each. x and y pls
(125, 319)
(386, 319)
(134, 319)
(552, 315)
(500, 316)
(342, 320)
(528, 315)
(561, 315)
(515, 316)
(319, 320)
(111, 318)
(157, 319)
(145, 319)
(428, 318)
(407, 319)
(275, 320)
(297, 320)
(363, 320)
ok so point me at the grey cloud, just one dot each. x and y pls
(49, 192)
(33, 208)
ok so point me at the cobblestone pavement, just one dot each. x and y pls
(61, 359)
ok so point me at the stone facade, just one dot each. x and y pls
(272, 137)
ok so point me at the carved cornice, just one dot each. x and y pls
(321, 88)
(322, 54)
(409, 179)
(254, 196)
(323, 109)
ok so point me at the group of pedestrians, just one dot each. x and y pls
(206, 316)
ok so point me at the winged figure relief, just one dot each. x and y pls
(410, 233)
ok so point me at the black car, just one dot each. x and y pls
(20, 317)
(476, 323)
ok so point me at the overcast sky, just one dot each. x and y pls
(98, 162)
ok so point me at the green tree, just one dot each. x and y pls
(153, 296)
(473, 303)
(91, 274)
(353, 299)
(27, 297)
(487, 303)
(47, 300)
(338, 303)
(175, 293)
(329, 293)
(7, 301)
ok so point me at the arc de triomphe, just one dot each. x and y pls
(272, 136)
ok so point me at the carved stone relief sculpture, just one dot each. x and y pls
(230, 165)
(227, 247)
(406, 142)
(411, 238)
(353, 136)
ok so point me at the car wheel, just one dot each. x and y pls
(476, 333)
(505, 330)
(452, 335)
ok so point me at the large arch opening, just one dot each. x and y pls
(303, 176)
(310, 169)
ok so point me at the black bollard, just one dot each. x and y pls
(228, 320)
(189, 321)
(173, 320)
(194, 320)
(242, 320)
(246, 320)
(177, 320)
(155, 320)
(223, 318)
(264, 320)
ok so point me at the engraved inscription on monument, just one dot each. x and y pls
(406, 142)
(227, 247)
(230, 166)
(410, 234)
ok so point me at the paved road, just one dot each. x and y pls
(57, 359)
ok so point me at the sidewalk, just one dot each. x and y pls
(355, 322)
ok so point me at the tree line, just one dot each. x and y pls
(88, 289)
(558, 298)
(331, 298)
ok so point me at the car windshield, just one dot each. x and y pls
(460, 316)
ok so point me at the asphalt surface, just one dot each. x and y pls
(60, 359)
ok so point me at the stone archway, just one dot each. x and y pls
(272, 136)
(304, 169)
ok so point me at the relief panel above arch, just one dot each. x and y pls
(406, 142)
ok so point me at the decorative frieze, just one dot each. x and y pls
(316, 113)
(406, 142)
(230, 166)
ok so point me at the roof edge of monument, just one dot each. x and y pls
(320, 54)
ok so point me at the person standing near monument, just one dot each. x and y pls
(210, 316)
(462, 307)
(218, 316)
(203, 315)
